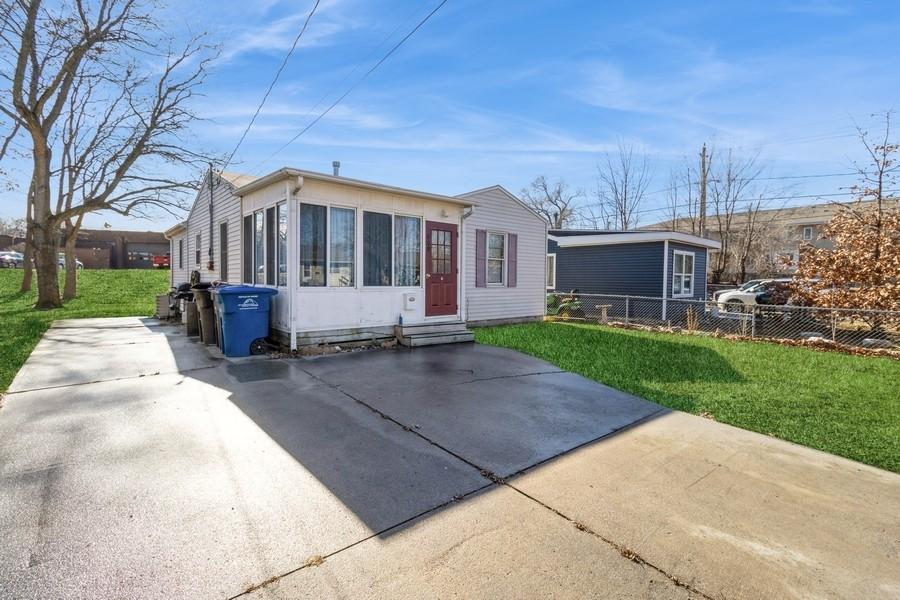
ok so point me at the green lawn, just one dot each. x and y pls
(843, 404)
(105, 293)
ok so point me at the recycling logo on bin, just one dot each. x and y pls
(248, 303)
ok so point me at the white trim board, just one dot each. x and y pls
(637, 237)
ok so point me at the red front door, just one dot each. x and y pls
(441, 272)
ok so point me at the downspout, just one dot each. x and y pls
(210, 264)
(464, 308)
(292, 187)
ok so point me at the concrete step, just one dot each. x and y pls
(432, 339)
(426, 328)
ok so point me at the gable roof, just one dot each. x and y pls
(234, 180)
(566, 238)
(289, 173)
(505, 191)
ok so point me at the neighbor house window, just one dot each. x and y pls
(496, 258)
(223, 251)
(407, 250)
(181, 253)
(376, 249)
(551, 271)
(341, 259)
(312, 245)
(282, 244)
(807, 233)
(683, 274)
(197, 249)
(259, 247)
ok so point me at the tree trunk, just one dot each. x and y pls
(27, 262)
(45, 232)
(69, 291)
(46, 261)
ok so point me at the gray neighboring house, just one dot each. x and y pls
(656, 264)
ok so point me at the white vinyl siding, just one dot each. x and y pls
(497, 211)
(226, 208)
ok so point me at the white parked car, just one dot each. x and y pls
(747, 293)
(742, 288)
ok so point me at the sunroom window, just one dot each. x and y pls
(342, 263)
(312, 245)
(376, 249)
(407, 250)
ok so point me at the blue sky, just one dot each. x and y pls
(499, 92)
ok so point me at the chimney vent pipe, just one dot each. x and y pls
(336, 165)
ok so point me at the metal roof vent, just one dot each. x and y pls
(336, 165)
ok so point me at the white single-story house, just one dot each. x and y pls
(352, 259)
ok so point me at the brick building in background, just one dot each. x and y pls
(111, 249)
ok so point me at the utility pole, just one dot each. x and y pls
(703, 172)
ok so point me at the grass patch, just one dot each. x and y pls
(106, 293)
(842, 404)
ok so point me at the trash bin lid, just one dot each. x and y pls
(232, 290)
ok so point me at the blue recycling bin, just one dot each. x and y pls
(244, 318)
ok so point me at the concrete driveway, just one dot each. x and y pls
(134, 463)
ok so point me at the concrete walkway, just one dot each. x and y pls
(133, 463)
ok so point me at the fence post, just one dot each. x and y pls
(664, 309)
(753, 324)
(626, 309)
(833, 326)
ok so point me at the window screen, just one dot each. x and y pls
(342, 257)
(247, 244)
(312, 245)
(376, 249)
(223, 251)
(259, 248)
(282, 244)
(270, 246)
(496, 257)
(407, 250)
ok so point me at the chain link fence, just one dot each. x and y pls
(848, 326)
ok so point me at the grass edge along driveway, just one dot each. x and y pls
(842, 404)
(101, 293)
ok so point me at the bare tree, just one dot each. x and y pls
(553, 201)
(621, 186)
(104, 100)
(683, 199)
(732, 181)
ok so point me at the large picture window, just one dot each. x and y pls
(341, 260)
(683, 274)
(407, 251)
(496, 258)
(282, 244)
(312, 245)
(259, 248)
(376, 249)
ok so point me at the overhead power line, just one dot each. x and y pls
(780, 178)
(274, 81)
(761, 199)
(371, 70)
